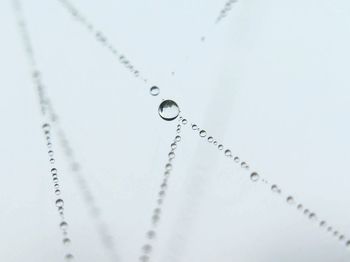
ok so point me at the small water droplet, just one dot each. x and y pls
(335, 233)
(57, 192)
(347, 243)
(147, 248)
(194, 127)
(154, 90)
(323, 223)
(236, 159)
(290, 200)
(306, 211)
(50, 152)
(203, 133)
(59, 203)
(215, 143)
(254, 176)
(244, 165)
(151, 234)
(64, 225)
(69, 257)
(210, 139)
(184, 121)
(341, 237)
(300, 207)
(168, 110)
(312, 216)
(274, 188)
(178, 138)
(220, 147)
(53, 171)
(66, 241)
(168, 166)
(173, 146)
(171, 155)
(52, 161)
(228, 153)
(144, 258)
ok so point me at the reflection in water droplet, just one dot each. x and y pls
(202, 133)
(59, 203)
(290, 200)
(154, 91)
(228, 153)
(52, 161)
(210, 139)
(254, 176)
(220, 147)
(168, 110)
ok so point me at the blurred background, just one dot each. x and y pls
(270, 81)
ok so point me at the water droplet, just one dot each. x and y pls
(59, 203)
(178, 138)
(228, 153)
(147, 248)
(215, 143)
(210, 139)
(203, 38)
(168, 110)
(154, 90)
(220, 147)
(322, 223)
(53, 171)
(244, 165)
(151, 234)
(236, 159)
(168, 166)
(52, 161)
(173, 146)
(203, 133)
(64, 225)
(254, 176)
(69, 257)
(155, 218)
(184, 121)
(290, 200)
(312, 216)
(341, 237)
(50, 152)
(274, 188)
(306, 211)
(171, 155)
(57, 192)
(194, 127)
(335, 233)
(300, 207)
(347, 243)
(144, 258)
(66, 241)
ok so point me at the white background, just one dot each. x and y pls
(270, 82)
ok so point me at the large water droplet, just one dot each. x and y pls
(168, 110)
(154, 90)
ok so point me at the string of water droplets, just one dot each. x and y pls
(225, 10)
(102, 38)
(46, 127)
(151, 233)
(256, 177)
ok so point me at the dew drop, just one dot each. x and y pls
(168, 110)
(171, 155)
(178, 138)
(50, 153)
(57, 192)
(244, 165)
(195, 127)
(312, 216)
(203, 133)
(184, 121)
(210, 139)
(300, 207)
(220, 147)
(335, 233)
(173, 146)
(154, 90)
(53, 171)
(290, 200)
(215, 143)
(274, 188)
(228, 153)
(254, 176)
(63, 225)
(236, 159)
(168, 166)
(59, 203)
